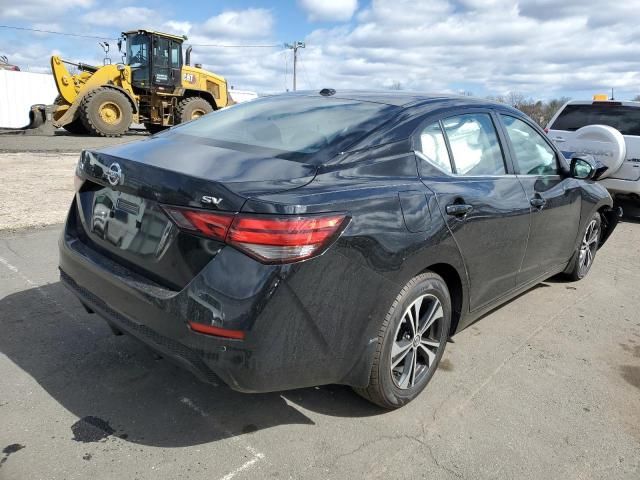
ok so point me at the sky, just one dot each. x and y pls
(542, 49)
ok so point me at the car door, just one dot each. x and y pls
(166, 62)
(554, 199)
(483, 203)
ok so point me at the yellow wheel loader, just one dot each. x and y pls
(152, 86)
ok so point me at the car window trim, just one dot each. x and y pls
(537, 129)
(434, 117)
(446, 142)
(487, 112)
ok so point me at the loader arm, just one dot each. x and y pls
(73, 88)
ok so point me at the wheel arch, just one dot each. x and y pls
(609, 219)
(454, 284)
(208, 96)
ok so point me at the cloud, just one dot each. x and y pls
(488, 46)
(329, 10)
(123, 18)
(485, 46)
(34, 10)
(249, 23)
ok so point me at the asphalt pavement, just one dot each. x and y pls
(546, 387)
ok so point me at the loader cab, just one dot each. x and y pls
(155, 60)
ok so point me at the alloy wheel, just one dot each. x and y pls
(589, 246)
(416, 341)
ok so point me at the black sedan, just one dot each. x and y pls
(331, 237)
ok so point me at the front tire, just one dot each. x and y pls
(192, 108)
(411, 342)
(584, 255)
(106, 112)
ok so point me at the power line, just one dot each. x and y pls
(304, 72)
(234, 46)
(66, 34)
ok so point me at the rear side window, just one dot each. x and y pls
(434, 147)
(533, 154)
(474, 144)
(624, 119)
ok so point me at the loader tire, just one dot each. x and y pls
(76, 127)
(192, 108)
(106, 112)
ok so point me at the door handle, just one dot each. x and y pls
(559, 139)
(538, 202)
(458, 209)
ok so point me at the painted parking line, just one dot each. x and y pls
(256, 456)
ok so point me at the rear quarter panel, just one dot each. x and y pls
(347, 292)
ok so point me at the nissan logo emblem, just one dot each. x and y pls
(114, 174)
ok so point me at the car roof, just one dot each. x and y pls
(398, 98)
(626, 103)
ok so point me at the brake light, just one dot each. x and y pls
(267, 238)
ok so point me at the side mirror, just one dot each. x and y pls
(120, 44)
(583, 167)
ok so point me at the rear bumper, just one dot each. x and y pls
(303, 327)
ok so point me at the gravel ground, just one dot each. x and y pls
(37, 176)
(36, 188)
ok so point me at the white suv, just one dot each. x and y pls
(610, 131)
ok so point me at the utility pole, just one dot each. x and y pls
(294, 46)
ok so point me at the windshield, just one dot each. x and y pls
(288, 126)
(623, 118)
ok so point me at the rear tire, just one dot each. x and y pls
(407, 355)
(76, 127)
(585, 254)
(192, 108)
(106, 112)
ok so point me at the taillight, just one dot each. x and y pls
(267, 238)
(211, 224)
(284, 239)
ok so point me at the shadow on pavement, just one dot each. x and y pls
(120, 387)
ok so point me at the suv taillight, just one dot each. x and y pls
(267, 238)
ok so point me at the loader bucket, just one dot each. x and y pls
(40, 122)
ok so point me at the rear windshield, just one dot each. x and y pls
(623, 118)
(290, 126)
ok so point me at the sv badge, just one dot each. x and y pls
(206, 199)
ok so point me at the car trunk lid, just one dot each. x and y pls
(120, 202)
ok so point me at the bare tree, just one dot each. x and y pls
(396, 85)
(540, 111)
